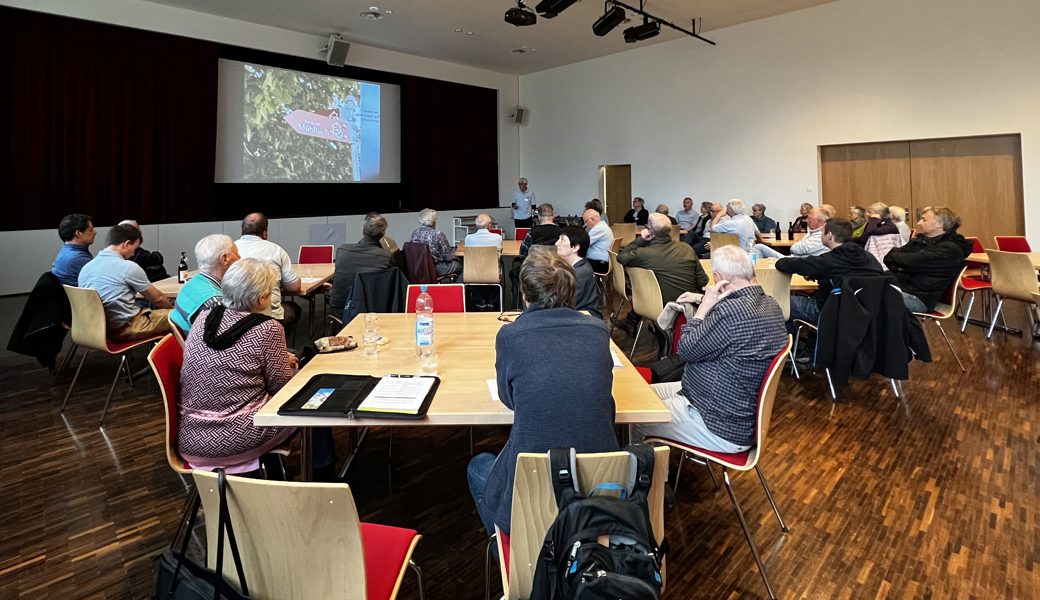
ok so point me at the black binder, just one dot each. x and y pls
(347, 392)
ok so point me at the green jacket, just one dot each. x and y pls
(673, 263)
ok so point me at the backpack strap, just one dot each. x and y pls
(642, 468)
(562, 474)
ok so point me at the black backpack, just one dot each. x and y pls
(573, 564)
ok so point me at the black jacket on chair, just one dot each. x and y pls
(865, 328)
(377, 291)
(41, 329)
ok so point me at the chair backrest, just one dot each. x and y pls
(719, 240)
(675, 233)
(976, 245)
(881, 245)
(534, 505)
(88, 318)
(388, 243)
(625, 231)
(497, 230)
(447, 297)
(480, 264)
(1012, 243)
(677, 324)
(297, 540)
(310, 255)
(617, 275)
(776, 284)
(646, 293)
(1011, 273)
(177, 333)
(766, 396)
(521, 232)
(947, 304)
(419, 260)
(615, 245)
(166, 359)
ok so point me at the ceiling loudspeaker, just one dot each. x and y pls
(336, 50)
(518, 114)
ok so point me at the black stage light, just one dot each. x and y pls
(520, 15)
(551, 8)
(610, 19)
(642, 32)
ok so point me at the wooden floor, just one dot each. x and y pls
(936, 499)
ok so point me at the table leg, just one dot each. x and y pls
(306, 456)
(355, 448)
(310, 325)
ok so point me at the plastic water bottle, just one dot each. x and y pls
(423, 325)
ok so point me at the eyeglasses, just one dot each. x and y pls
(508, 317)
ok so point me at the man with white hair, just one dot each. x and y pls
(523, 204)
(810, 245)
(483, 235)
(600, 239)
(673, 262)
(727, 347)
(214, 254)
(444, 258)
(739, 223)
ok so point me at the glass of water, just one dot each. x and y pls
(370, 339)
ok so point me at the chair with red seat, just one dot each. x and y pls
(1012, 243)
(89, 331)
(447, 297)
(497, 230)
(304, 540)
(973, 281)
(747, 460)
(521, 233)
(945, 308)
(312, 255)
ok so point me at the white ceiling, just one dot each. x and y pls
(427, 27)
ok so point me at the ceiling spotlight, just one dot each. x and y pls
(610, 19)
(520, 15)
(551, 8)
(642, 32)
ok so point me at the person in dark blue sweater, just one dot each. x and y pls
(555, 372)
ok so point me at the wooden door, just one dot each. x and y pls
(615, 188)
(980, 178)
(859, 174)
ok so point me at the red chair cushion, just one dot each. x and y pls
(386, 552)
(449, 297)
(646, 373)
(505, 550)
(120, 347)
(316, 254)
(974, 283)
(738, 459)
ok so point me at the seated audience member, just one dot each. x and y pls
(810, 245)
(844, 258)
(637, 214)
(698, 233)
(77, 233)
(443, 254)
(118, 280)
(545, 233)
(573, 246)
(366, 256)
(762, 222)
(600, 239)
(663, 210)
(686, 218)
(801, 224)
(878, 223)
(536, 360)
(858, 218)
(254, 244)
(674, 264)
(235, 359)
(727, 347)
(150, 261)
(597, 206)
(214, 254)
(930, 263)
(898, 216)
(738, 223)
(483, 236)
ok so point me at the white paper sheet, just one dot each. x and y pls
(398, 393)
(617, 360)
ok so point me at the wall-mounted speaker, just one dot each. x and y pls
(518, 115)
(336, 50)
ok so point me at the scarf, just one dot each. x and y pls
(227, 339)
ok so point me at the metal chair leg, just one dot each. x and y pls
(86, 351)
(68, 358)
(830, 383)
(188, 515)
(707, 465)
(967, 313)
(950, 344)
(769, 495)
(636, 340)
(418, 576)
(487, 566)
(104, 411)
(747, 533)
(678, 471)
(996, 313)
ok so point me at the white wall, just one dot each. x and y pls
(744, 118)
(31, 252)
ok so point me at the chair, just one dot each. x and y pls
(617, 283)
(777, 285)
(310, 255)
(719, 240)
(304, 540)
(944, 309)
(615, 246)
(420, 265)
(1012, 274)
(480, 266)
(747, 460)
(497, 230)
(177, 333)
(534, 510)
(388, 243)
(973, 281)
(521, 232)
(89, 332)
(646, 298)
(675, 233)
(1012, 243)
(447, 297)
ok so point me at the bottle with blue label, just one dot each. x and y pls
(423, 324)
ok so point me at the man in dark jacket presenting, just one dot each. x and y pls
(929, 264)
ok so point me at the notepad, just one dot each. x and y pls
(493, 388)
(397, 394)
(617, 360)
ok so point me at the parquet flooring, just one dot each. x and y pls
(937, 499)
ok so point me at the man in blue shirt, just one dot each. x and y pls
(77, 231)
(523, 205)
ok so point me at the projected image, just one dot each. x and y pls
(308, 127)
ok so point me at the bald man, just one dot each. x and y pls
(254, 244)
(483, 235)
(600, 239)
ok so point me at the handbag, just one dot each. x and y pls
(182, 579)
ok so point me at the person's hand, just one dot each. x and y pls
(689, 298)
(514, 205)
(646, 234)
(293, 361)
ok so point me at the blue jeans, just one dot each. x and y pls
(477, 474)
(764, 251)
(804, 308)
(913, 303)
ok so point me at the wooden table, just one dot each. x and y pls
(509, 248)
(798, 283)
(768, 240)
(982, 257)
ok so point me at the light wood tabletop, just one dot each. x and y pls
(465, 346)
(982, 257)
(509, 248)
(312, 277)
(798, 283)
(767, 239)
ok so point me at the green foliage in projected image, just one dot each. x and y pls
(273, 151)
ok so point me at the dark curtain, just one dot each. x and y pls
(109, 121)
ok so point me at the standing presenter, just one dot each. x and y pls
(523, 205)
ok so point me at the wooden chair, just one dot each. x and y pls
(304, 540)
(534, 509)
(521, 232)
(310, 255)
(617, 283)
(646, 298)
(777, 285)
(89, 331)
(615, 246)
(388, 243)
(1012, 243)
(497, 230)
(447, 297)
(944, 309)
(480, 266)
(675, 233)
(747, 460)
(177, 333)
(1012, 274)
(719, 240)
